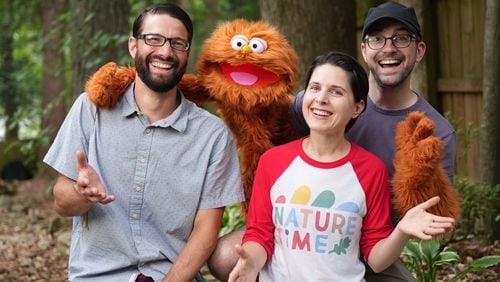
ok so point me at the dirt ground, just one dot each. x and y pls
(34, 240)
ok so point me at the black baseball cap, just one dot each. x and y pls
(394, 11)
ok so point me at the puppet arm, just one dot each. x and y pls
(108, 84)
(418, 174)
(193, 89)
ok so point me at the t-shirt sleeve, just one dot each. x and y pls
(377, 223)
(260, 226)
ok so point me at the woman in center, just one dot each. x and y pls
(319, 202)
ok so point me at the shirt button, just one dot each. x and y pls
(143, 160)
(148, 131)
(135, 215)
(138, 189)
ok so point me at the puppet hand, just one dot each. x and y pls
(108, 84)
(417, 147)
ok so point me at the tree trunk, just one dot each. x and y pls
(490, 135)
(53, 83)
(96, 22)
(328, 25)
(7, 81)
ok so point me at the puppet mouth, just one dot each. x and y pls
(248, 74)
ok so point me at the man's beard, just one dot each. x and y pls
(161, 84)
(401, 77)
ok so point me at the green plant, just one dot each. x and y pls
(232, 220)
(479, 207)
(426, 258)
(479, 265)
(31, 135)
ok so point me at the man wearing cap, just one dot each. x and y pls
(391, 47)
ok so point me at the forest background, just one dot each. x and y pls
(48, 49)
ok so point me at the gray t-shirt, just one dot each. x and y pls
(374, 130)
(160, 173)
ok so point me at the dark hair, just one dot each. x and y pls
(358, 78)
(164, 9)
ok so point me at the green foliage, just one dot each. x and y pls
(31, 136)
(232, 9)
(27, 74)
(478, 265)
(232, 220)
(426, 258)
(479, 203)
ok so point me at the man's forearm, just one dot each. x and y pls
(67, 201)
(199, 247)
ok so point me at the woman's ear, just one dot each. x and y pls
(358, 108)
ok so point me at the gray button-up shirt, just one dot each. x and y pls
(161, 174)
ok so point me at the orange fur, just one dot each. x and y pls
(418, 175)
(258, 115)
(106, 87)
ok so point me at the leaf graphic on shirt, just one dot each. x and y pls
(341, 247)
(301, 196)
(325, 199)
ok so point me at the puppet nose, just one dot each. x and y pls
(246, 49)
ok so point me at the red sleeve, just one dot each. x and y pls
(377, 224)
(259, 220)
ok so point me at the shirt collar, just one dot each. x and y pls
(177, 119)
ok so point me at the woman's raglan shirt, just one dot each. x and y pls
(313, 218)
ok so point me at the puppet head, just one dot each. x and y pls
(247, 64)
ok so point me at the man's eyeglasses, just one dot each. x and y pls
(399, 41)
(159, 40)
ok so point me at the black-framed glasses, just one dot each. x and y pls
(377, 42)
(158, 40)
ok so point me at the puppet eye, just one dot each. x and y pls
(258, 45)
(238, 41)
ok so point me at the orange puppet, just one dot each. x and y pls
(249, 70)
(418, 175)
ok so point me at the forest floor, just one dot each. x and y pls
(34, 240)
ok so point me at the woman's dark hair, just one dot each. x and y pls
(358, 79)
(164, 9)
